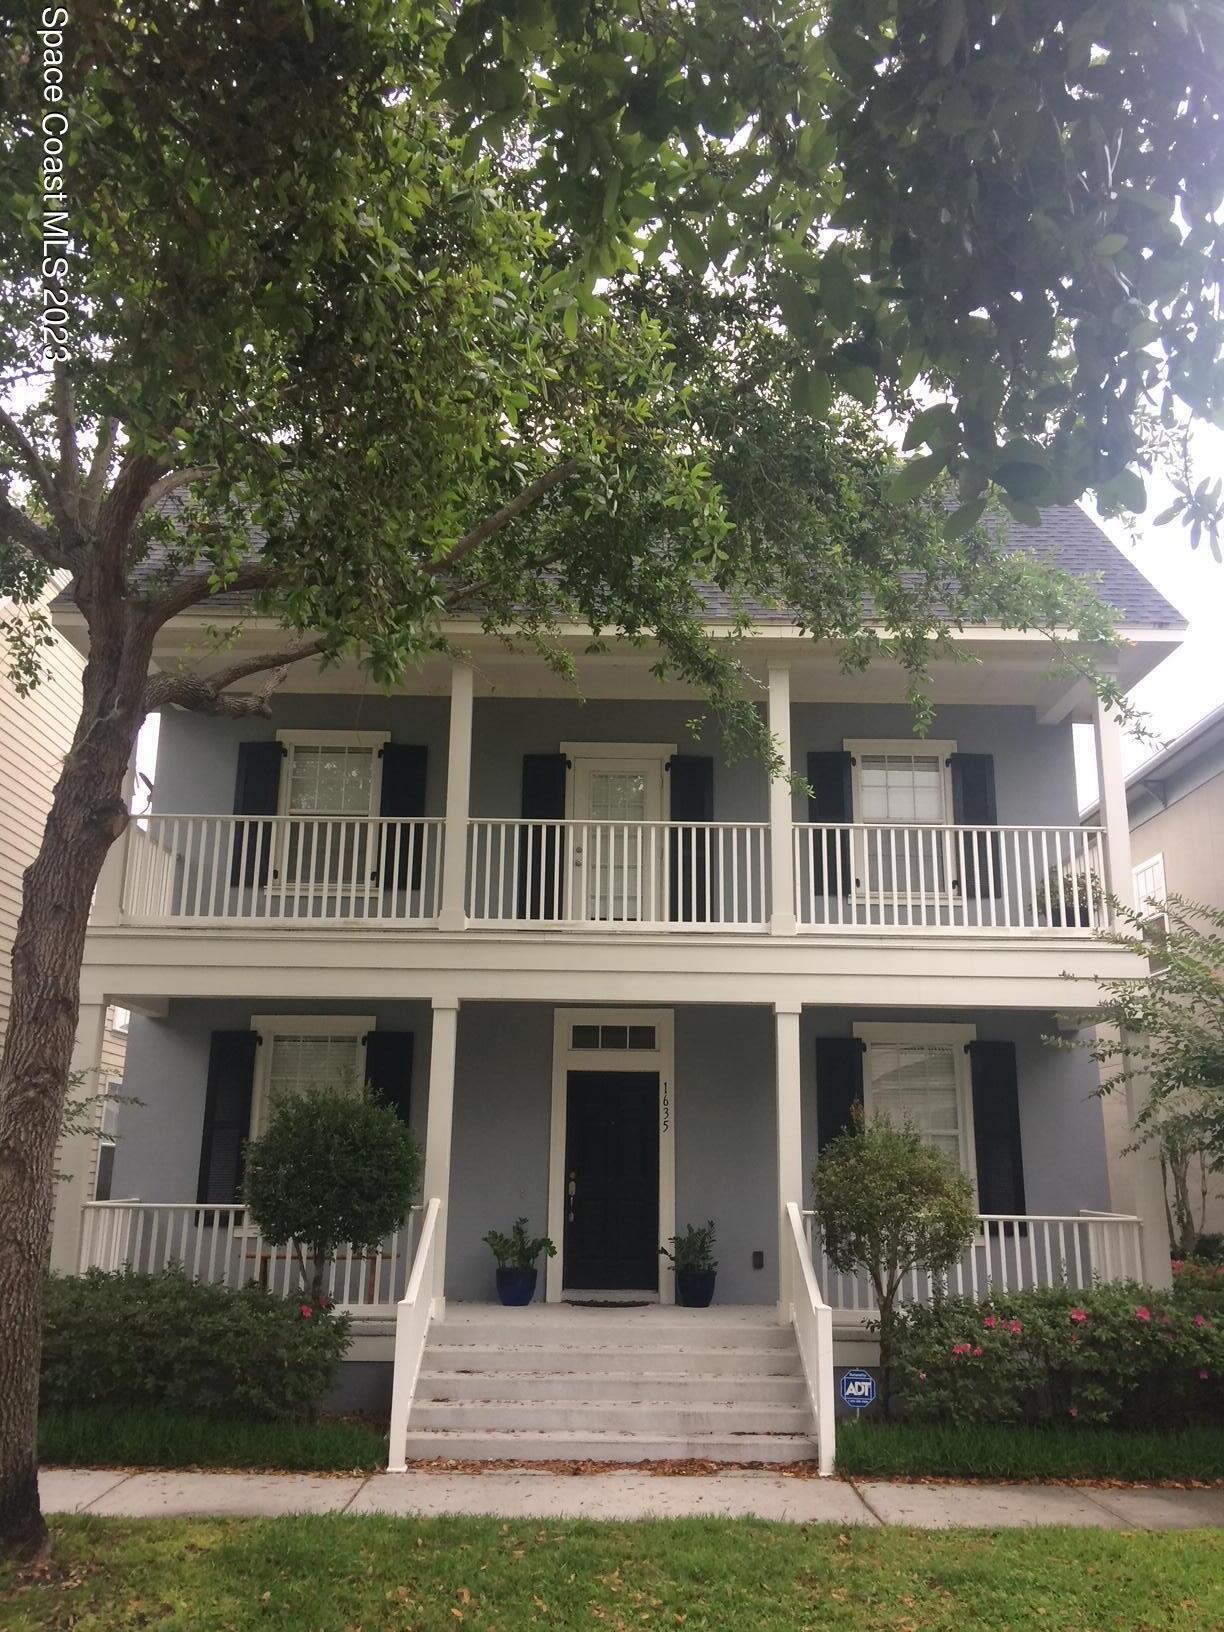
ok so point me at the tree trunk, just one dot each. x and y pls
(87, 814)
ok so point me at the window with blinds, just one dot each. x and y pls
(901, 788)
(297, 1063)
(917, 1083)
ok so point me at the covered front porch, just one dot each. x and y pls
(608, 1130)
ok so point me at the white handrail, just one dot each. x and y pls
(812, 1319)
(893, 876)
(412, 1317)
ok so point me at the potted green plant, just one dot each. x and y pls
(692, 1258)
(1062, 899)
(516, 1256)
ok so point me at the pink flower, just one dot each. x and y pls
(990, 1322)
(922, 1376)
(1200, 1320)
(960, 1348)
(1203, 1375)
(1074, 1411)
(306, 1311)
(1143, 1313)
(977, 1353)
(1177, 1265)
(1015, 1327)
(1079, 1316)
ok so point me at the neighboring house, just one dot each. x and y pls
(36, 730)
(1175, 802)
(617, 984)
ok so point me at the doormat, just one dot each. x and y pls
(609, 1303)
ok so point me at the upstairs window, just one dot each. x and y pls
(905, 783)
(1150, 894)
(331, 774)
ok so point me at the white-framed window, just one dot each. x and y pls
(108, 1129)
(920, 1073)
(299, 1051)
(1148, 879)
(331, 773)
(903, 781)
(118, 1019)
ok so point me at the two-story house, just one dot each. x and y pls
(618, 983)
(1175, 802)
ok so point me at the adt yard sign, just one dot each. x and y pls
(858, 1390)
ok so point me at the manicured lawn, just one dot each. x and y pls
(168, 1439)
(338, 1574)
(868, 1449)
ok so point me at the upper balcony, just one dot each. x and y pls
(614, 877)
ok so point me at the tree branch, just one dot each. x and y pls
(69, 484)
(198, 586)
(99, 468)
(530, 495)
(24, 530)
(119, 510)
(173, 480)
(30, 458)
(205, 693)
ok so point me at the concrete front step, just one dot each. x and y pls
(676, 1386)
(557, 1358)
(567, 1445)
(614, 1331)
(642, 1417)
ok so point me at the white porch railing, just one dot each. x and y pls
(812, 1319)
(412, 1318)
(219, 1245)
(619, 875)
(1012, 1253)
(238, 869)
(951, 878)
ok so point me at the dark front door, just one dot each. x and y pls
(612, 1180)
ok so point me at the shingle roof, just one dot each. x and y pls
(1068, 537)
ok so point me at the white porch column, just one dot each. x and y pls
(439, 1121)
(458, 790)
(781, 829)
(1145, 1182)
(1115, 819)
(77, 1154)
(790, 1139)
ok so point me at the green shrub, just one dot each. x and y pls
(1198, 1285)
(163, 1340)
(1122, 1354)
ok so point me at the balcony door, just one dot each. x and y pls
(616, 861)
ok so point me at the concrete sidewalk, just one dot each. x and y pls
(625, 1496)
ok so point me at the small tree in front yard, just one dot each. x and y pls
(887, 1203)
(333, 1169)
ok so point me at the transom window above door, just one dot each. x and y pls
(331, 774)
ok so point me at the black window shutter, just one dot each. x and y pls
(256, 790)
(831, 779)
(973, 805)
(540, 891)
(227, 1115)
(839, 1086)
(691, 799)
(389, 1069)
(404, 770)
(996, 1127)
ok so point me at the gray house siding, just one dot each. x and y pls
(724, 1111)
(197, 757)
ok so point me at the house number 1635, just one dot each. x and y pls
(666, 1109)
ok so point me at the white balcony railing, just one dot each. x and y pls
(240, 869)
(1011, 1253)
(221, 1246)
(949, 878)
(615, 876)
(619, 875)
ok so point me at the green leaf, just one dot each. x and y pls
(965, 517)
(915, 477)
(951, 30)
(812, 393)
(1171, 514)
(1026, 482)
(690, 247)
(1110, 245)
(1028, 515)
(569, 322)
(1127, 491)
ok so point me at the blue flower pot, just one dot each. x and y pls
(516, 1287)
(695, 1288)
